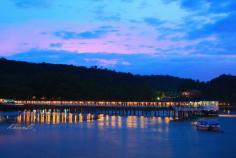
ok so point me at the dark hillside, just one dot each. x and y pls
(22, 80)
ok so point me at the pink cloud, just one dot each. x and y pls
(107, 62)
(39, 35)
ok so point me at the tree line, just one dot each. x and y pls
(22, 80)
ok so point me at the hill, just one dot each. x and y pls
(22, 80)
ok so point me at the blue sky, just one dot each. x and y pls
(191, 39)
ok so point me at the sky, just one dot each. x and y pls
(190, 39)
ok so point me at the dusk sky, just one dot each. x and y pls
(185, 38)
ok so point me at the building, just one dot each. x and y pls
(191, 93)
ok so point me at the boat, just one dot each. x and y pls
(207, 125)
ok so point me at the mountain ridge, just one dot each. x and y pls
(24, 80)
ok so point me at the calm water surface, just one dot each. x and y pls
(73, 136)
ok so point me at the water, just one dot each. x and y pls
(111, 136)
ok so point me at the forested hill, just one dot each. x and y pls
(22, 80)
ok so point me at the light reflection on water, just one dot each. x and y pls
(102, 121)
(53, 118)
(73, 135)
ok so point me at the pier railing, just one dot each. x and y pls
(118, 107)
(207, 105)
(116, 103)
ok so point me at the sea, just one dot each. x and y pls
(40, 134)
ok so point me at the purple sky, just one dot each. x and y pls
(193, 39)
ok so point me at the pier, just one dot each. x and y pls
(159, 109)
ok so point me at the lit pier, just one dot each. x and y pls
(162, 109)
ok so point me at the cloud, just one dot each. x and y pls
(216, 6)
(67, 35)
(125, 63)
(192, 4)
(107, 62)
(102, 62)
(207, 19)
(79, 59)
(98, 33)
(128, 1)
(56, 45)
(223, 28)
(32, 3)
(152, 21)
(109, 18)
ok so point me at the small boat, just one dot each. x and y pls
(207, 125)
